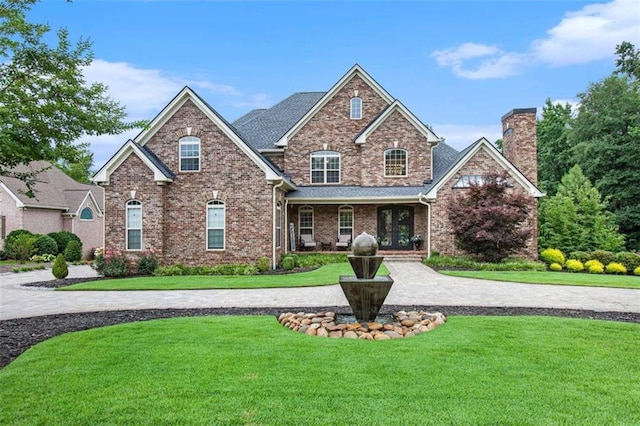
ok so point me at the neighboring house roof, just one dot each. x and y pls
(53, 189)
(356, 70)
(161, 172)
(399, 107)
(262, 128)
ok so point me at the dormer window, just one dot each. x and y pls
(395, 163)
(190, 154)
(325, 167)
(356, 108)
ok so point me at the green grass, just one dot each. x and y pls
(325, 275)
(556, 278)
(251, 370)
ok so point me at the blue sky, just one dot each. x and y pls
(457, 65)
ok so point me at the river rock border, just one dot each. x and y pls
(325, 324)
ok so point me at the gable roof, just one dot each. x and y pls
(356, 70)
(468, 153)
(160, 171)
(361, 138)
(53, 189)
(262, 128)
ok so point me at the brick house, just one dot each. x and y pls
(60, 204)
(197, 189)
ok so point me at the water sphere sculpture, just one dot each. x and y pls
(365, 292)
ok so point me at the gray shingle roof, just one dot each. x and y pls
(156, 161)
(263, 128)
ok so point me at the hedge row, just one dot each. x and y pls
(595, 262)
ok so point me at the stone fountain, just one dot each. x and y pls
(364, 291)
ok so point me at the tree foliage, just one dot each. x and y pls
(554, 151)
(45, 102)
(576, 219)
(487, 219)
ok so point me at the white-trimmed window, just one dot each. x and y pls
(189, 154)
(278, 225)
(215, 225)
(325, 167)
(356, 108)
(134, 225)
(305, 221)
(345, 221)
(466, 181)
(395, 162)
(86, 214)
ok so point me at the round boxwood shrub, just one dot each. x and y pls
(288, 263)
(264, 264)
(574, 265)
(593, 262)
(582, 256)
(45, 245)
(73, 251)
(62, 239)
(605, 257)
(636, 271)
(60, 269)
(550, 256)
(616, 268)
(630, 260)
(555, 267)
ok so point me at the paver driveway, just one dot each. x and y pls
(415, 284)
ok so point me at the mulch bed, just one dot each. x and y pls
(18, 335)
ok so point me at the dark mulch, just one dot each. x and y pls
(18, 335)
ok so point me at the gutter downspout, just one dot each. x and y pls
(422, 200)
(273, 227)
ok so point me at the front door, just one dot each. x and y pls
(395, 227)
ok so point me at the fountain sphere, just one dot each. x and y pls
(364, 245)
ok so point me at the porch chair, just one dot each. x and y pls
(344, 242)
(307, 242)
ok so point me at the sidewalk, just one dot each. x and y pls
(415, 284)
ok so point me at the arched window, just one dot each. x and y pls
(305, 221)
(86, 214)
(134, 225)
(325, 167)
(356, 108)
(189, 154)
(395, 162)
(215, 225)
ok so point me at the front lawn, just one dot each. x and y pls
(325, 275)
(251, 370)
(555, 278)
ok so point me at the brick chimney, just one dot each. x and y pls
(519, 141)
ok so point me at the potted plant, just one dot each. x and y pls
(417, 241)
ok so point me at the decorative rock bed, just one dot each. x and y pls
(328, 324)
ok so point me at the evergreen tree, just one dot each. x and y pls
(576, 219)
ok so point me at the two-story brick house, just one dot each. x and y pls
(197, 189)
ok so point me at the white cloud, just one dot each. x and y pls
(590, 34)
(486, 61)
(460, 136)
(582, 36)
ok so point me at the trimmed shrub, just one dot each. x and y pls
(636, 271)
(582, 256)
(168, 271)
(550, 256)
(574, 265)
(73, 251)
(616, 268)
(44, 244)
(288, 263)
(605, 257)
(62, 239)
(555, 267)
(60, 269)
(630, 260)
(314, 260)
(264, 264)
(593, 262)
(13, 235)
(116, 267)
(21, 247)
(146, 265)
(596, 268)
